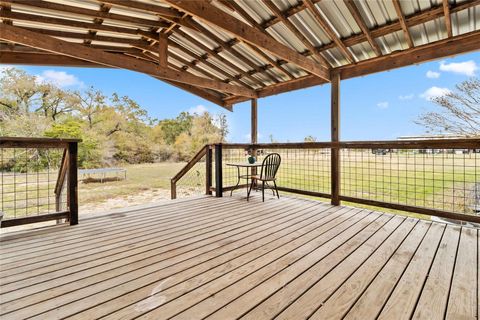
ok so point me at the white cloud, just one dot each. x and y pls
(432, 74)
(383, 105)
(200, 109)
(434, 92)
(59, 78)
(467, 68)
(406, 97)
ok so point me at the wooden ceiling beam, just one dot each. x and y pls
(440, 49)
(448, 18)
(412, 20)
(257, 26)
(104, 8)
(48, 59)
(44, 59)
(198, 59)
(47, 43)
(142, 44)
(228, 46)
(216, 17)
(191, 24)
(310, 47)
(163, 50)
(403, 23)
(213, 53)
(363, 26)
(187, 22)
(86, 12)
(329, 31)
(74, 24)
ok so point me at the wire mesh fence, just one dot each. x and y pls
(28, 178)
(193, 182)
(445, 179)
(441, 179)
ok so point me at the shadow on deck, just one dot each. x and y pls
(227, 258)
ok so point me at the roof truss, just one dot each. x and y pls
(218, 49)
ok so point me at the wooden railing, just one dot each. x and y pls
(432, 177)
(38, 179)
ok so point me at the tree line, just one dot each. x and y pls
(114, 129)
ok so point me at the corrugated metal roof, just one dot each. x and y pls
(235, 59)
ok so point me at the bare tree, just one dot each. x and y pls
(459, 111)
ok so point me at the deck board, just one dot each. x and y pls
(225, 258)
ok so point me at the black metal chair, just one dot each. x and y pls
(270, 166)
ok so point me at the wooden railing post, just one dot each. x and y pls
(72, 189)
(218, 171)
(173, 189)
(208, 170)
(335, 150)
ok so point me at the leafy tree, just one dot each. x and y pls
(310, 139)
(458, 112)
(18, 92)
(89, 104)
(172, 128)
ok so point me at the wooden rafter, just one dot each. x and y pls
(329, 31)
(104, 8)
(403, 23)
(216, 17)
(187, 22)
(257, 26)
(47, 43)
(228, 46)
(163, 49)
(448, 18)
(28, 56)
(270, 5)
(213, 53)
(363, 26)
(412, 20)
(84, 12)
(443, 48)
(75, 24)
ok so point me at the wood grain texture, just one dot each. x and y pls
(217, 258)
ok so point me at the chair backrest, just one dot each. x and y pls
(270, 166)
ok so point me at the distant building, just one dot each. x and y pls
(437, 137)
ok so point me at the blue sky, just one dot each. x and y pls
(375, 107)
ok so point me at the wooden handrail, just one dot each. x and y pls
(471, 143)
(173, 182)
(190, 164)
(457, 144)
(62, 173)
(68, 168)
(22, 142)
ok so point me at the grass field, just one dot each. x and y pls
(447, 182)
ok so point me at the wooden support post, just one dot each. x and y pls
(254, 120)
(254, 131)
(208, 170)
(163, 50)
(72, 182)
(218, 171)
(335, 151)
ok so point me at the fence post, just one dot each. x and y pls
(72, 189)
(208, 170)
(218, 171)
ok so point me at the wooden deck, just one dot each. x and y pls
(223, 258)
